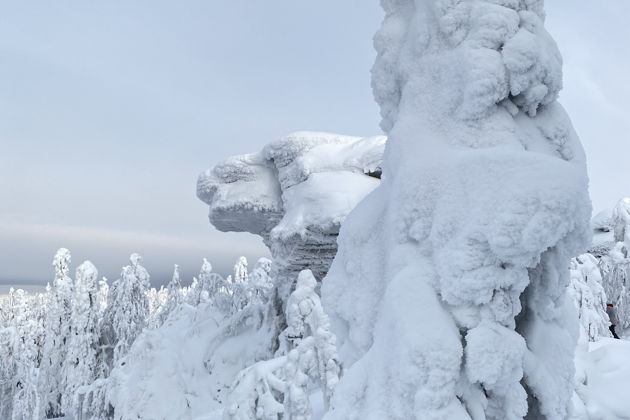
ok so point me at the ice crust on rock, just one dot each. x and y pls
(462, 251)
(294, 193)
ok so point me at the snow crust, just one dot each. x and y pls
(483, 202)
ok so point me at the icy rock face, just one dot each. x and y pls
(448, 292)
(294, 193)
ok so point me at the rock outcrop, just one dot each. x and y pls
(294, 193)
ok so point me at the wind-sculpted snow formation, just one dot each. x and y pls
(448, 292)
(294, 194)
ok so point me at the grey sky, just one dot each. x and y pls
(110, 109)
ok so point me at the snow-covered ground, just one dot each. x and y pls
(184, 369)
(604, 380)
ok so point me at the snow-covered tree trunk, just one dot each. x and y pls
(448, 292)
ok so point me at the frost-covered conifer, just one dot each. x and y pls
(306, 318)
(81, 364)
(193, 293)
(174, 296)
(58, 332)
(9, 353)
(215, 288)
(207, 281)
(261, 281)
(281, 385)
(240, 285)
(621, 221)
(126, 314)
(615, 268)
(26, 399)
(449, 286)
(102, 294)
(589, 297)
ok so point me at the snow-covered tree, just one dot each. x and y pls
(193, 293)
(306, 318)
(126, 314)
(174, 296)
(281, 386)
(589, 297)
(81, 364)
(615, 269)
(621, 221)
(102, 294)
(261, 281)
(155, 303)
(450, 281)
(58, 333)
(207, 282)
(240, 286)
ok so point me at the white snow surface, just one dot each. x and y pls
(603, 376)
(467, 240)
(184, 369)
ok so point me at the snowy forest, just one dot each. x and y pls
(449, 269)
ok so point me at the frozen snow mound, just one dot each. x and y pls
(294, 193)
(449, 290)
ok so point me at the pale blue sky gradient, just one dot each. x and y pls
(110, 109)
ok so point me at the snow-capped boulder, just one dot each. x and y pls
(449, 289)
(294, 193)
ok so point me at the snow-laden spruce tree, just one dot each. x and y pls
(589, 297)
(26, 399)
(261, 283)
(8, 351)
(81, 365)
(621, 221)
(240, 285)
(193, 293)
(102, 294)
(58, 332)
(615, 265)
(19, 396)
(214, 288)
(174, 296)
(127, 312)
(615, 268)
(448, 292)
(281, 386)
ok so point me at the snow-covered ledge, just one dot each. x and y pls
(294, 193)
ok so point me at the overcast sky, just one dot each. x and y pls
(110, 109)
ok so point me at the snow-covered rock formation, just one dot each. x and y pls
(294, 194)
(448, 292)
